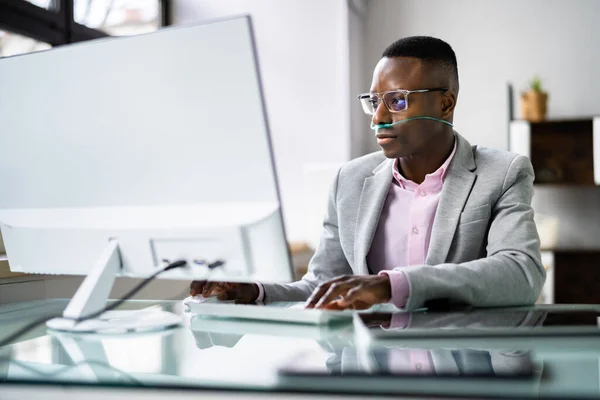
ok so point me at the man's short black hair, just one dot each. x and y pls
(428, 49)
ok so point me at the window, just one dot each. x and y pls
(119, 17)
(50, 5)
(48, 23)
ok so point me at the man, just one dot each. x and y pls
(430, 218)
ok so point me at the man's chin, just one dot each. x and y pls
(393, 153)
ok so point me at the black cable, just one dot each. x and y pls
(112, 306)
(131, 293)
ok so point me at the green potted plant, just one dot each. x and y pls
(534, 102)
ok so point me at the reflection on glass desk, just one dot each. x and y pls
(479, 323)
(211, 329)
(421, 371)
(270, 357)
(410, 362)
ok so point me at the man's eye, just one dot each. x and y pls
(374, 101)
(398, 103)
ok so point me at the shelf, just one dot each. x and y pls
(576, 277)
(573, 250)
(562, 152)
(551, 121)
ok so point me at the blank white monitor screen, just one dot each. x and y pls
(159, 141)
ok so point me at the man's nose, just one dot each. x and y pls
(382, 115)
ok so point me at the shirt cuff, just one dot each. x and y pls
(261, 293)
(399, 287)
(400, 320)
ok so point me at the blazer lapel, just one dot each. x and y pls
(444, 362)
(372, 198)
(458, 183)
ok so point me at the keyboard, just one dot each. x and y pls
(215, 331)
(290, 312)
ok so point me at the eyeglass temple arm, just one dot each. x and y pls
(365, 95)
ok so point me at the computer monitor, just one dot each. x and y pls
(122, 154)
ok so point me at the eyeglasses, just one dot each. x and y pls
(394, 100)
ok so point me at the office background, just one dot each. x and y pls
(316, 55)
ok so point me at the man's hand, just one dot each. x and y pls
(242, 293)
(351, 292)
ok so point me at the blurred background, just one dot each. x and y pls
(528, 84)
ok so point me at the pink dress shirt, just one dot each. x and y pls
(408, 360)
(404, 230)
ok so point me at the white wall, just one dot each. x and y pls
(303, 54)
(362, 139)
(500, 41)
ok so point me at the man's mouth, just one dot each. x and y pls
(386, 136)
(384, 139)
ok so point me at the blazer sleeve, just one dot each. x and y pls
(511, 274)
(327, 263)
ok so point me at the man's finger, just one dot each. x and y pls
(196, 287)
(355, 298)
(336, 290)
(224, 295)
(208, 289)
(316, 295)
(320, 291)
(334, 305)
(352, 295)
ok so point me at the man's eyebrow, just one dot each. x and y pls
(385, 91)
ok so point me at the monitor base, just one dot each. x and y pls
(119, 322)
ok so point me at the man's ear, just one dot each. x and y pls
(448, 104)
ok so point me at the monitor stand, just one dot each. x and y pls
(92, 295)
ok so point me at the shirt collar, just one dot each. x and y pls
(439, 173)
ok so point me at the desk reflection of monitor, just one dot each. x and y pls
(121, 155)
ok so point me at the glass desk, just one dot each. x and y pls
(260, 357)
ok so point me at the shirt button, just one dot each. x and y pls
(419, 366)
(415, 230)
(423, 194)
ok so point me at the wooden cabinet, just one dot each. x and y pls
(564, 154)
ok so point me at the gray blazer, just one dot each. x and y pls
(484, 248)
